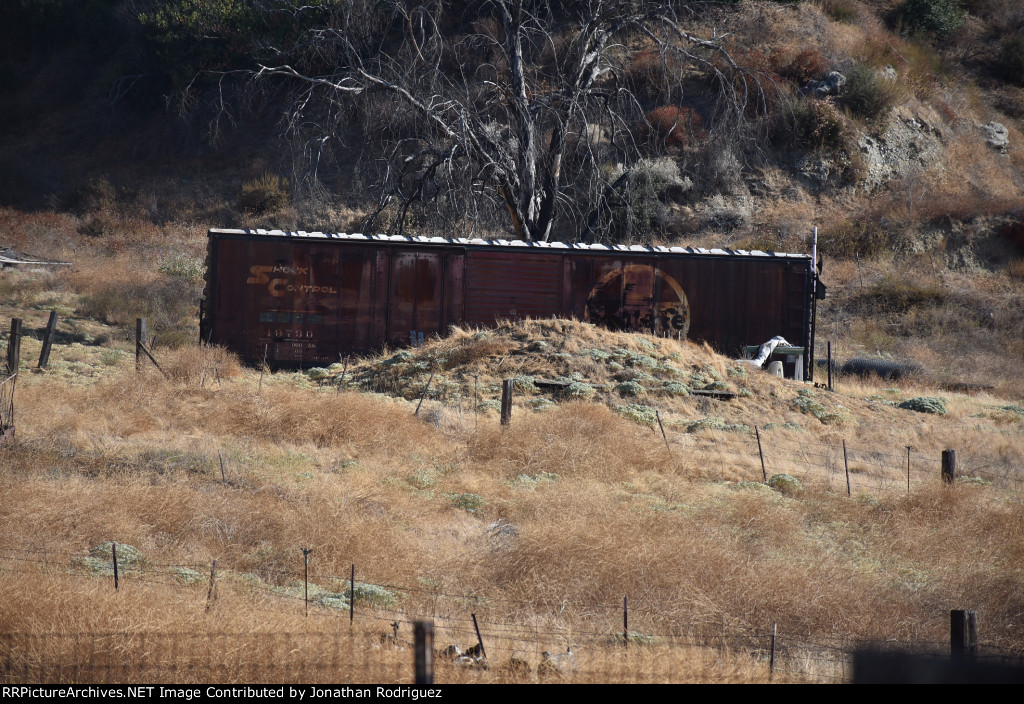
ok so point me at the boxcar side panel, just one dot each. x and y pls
(304, 300)
(511, 285)
(414, 297)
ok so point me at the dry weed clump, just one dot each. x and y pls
(200, 364)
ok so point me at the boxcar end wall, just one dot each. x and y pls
(308, 299)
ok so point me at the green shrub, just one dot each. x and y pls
(785, 484)
(635, 204)
(808, 65)
(1011, 59)
(806, 403)
(716, 423)
(900, 295)
(810, 123)
(631, 389)
(940, 18)
(841, 11)
(95, 194)
(851, 237)
(925, 404)
(644, 415)
(524, 383)
(266, 194)
(578, 390)
(867, 94)
(541, 404)
(473, 503)
(183, 266)
(674, 388)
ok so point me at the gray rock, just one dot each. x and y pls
(829, 85)
(996, 135)
(905, 149)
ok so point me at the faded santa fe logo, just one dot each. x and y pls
(641, 298)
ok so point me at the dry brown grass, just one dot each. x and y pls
(596, 507)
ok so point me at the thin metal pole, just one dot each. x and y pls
(479, 638)
(625, 620)
(846, 464)
(305, 577)
(663, 435)
(760, 452)
(909, 448)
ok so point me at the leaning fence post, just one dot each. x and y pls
(140, 341)
(846, 463)
(949, 466)
(771, 661)
(51, 327)
(14, 346)
(506, 401)
(424, 394)
(479, 638)
(664, 437)
(423, 636)
(760, 452)
(113, 550)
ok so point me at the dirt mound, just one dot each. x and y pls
(556, 361)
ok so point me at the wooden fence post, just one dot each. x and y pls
(668, 447)
(423, 637)
(764, 472)
(140, 341)
(949, 466)
(771, 661)
(830, 386)
(424, 394)
(909, 448)
(846, 463)
(963, 634)
(211, 593)
(113, 550)
(305, 576)
(479, 638)
(51, 327)
(506, 401)
(625, 620)
(352, 596)
(14, 346)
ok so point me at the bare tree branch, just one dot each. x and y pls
(522, 118)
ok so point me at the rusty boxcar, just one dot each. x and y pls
(308, 298)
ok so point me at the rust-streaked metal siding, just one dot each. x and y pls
(304, 299)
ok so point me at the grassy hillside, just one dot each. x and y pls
(540, 528)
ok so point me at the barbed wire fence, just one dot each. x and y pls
(333, 648)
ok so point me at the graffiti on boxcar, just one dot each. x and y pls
(641, 298)
(278, 287)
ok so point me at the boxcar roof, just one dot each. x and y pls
(512, 244)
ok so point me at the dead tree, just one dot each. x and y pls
(519, 115)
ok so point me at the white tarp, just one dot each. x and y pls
(765, 350)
